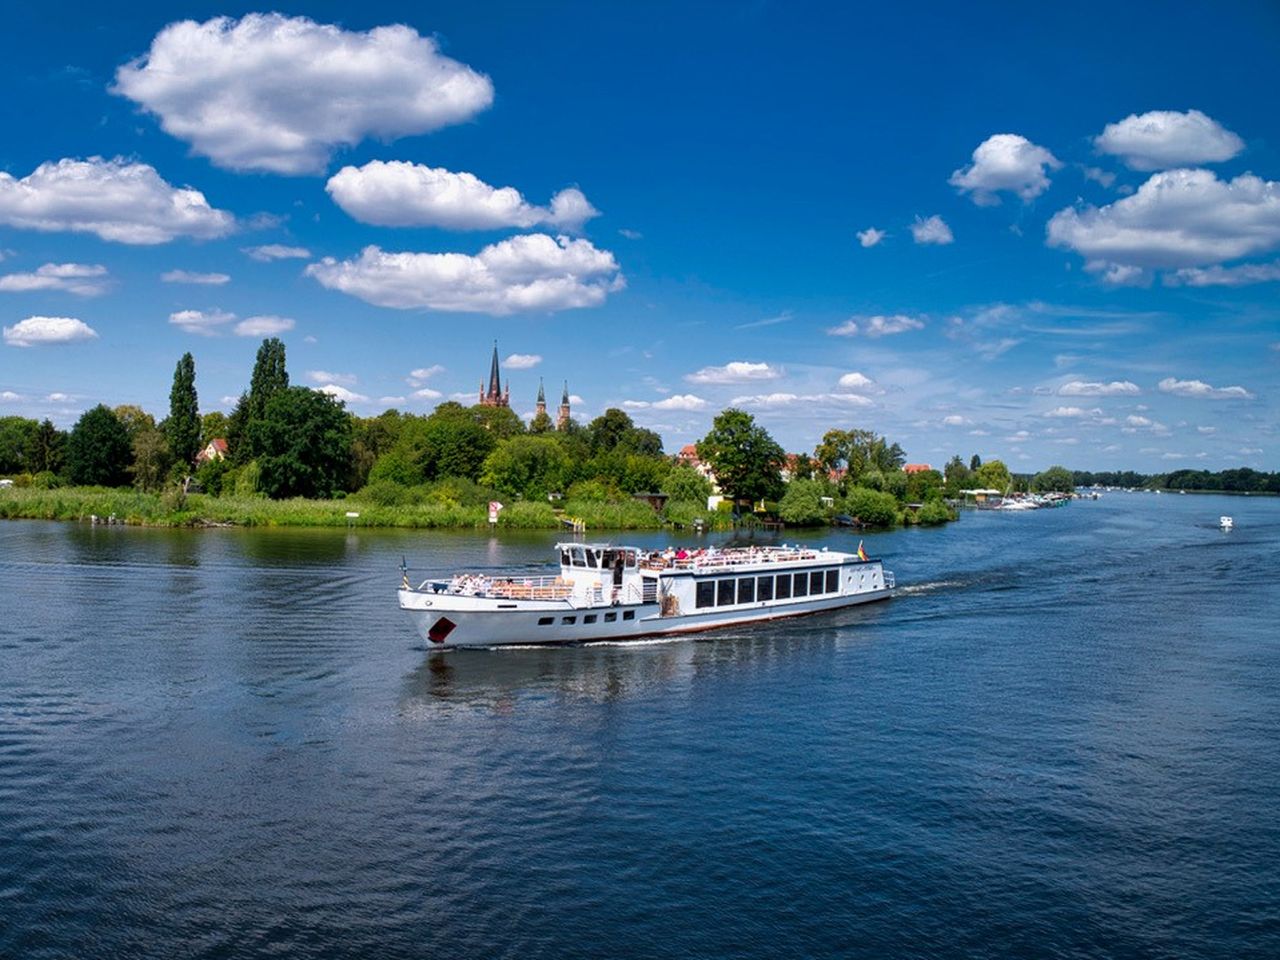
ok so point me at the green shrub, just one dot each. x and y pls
(385, 493)
(933, 512)
(528, 515)
(46, 480)
(872, 507)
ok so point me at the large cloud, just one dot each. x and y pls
(115, 199)
(1009, 162)
(400, 194)
(679, 401)
(276, 93)
(530, 272)
(737, 371)
(1165, 138)
(203, 322)
(82, 279)
(1179, 218)
(43, 330)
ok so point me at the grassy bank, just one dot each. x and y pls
(169, 510)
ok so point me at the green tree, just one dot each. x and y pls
(541, 423)
(151, 458)
(528, 466)
(871, 507)
(269, 377)
(924, 485)
(305, 441)
(134, 419)
(46, 449)
(686, 485)
(213, 426)
(16, 436)
(974, 463)
(858, 451)
(1057, 479)
(501, 422)
(956, 477)
(607, 430)
(747, 461)
(802, 503)
(993, 475)
(98, 450)
(182, 429)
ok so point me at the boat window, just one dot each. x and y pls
(764, 588)
(724, 593)
(569, 620)
(628, 614)
(592, 557)
(631, 558)
(589, 618)
(546, 621)
(815, 582)
(800, 585)
(833, 581)
(747, 590)
(564, 558)
(610, 617)
(706, 593)
(784, 587)
(578, 560)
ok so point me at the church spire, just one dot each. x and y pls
(495, 382)
(542, 394)
(562, 417)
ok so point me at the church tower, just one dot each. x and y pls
(541, 409)
(495, 396)
(562, 418)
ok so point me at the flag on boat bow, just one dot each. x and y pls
(862, 554)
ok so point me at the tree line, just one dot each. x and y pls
(283, 441)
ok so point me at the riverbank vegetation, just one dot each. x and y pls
(291, 456)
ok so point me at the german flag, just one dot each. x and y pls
(862, 554)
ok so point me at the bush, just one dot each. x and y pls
(933, 512)
(459, 491)
(592, 491)
(871, 507)
(46, 480)
(528, 515)
(802, 503)
(212, 474)
(687, 485)
(623, 515)
(384, 493)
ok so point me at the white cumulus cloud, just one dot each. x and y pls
(877, 326)
(401, 194)
(342, 393)
(737, 371)
(1178, 218)
(870, 237)
(522, 361)
(276, 93)
(82, 279)
(858, 382)
(263, 326)
(1086, 388)
(276, 251)
(116, 200)
(681, 401)
(1005, 162)
(528, 272)
(781, 399)
(931, 230)
(328, 376)
(34, 331)
(203, 322)
(1201, 390)
(188, 276)
(426, 393)
(1162, 139)
(1073, 412)
(421, 375)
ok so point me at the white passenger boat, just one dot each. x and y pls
(607, 592)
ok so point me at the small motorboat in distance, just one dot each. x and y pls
(608, 592)
(1226, 523)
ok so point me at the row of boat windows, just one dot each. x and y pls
(609, 617)
(783, 586)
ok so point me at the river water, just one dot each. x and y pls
(1061, 739)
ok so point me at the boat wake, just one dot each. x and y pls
(932, 586)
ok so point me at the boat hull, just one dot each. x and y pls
(472, 625)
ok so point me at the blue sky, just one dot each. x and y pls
(1049, 236)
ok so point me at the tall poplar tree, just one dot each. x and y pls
(182, 429)
(269, 377)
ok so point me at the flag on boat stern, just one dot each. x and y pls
(862, 554)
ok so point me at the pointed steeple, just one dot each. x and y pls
(495, 381)
(564, 397)
(542, 394)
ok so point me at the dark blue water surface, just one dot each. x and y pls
(1061, 739)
